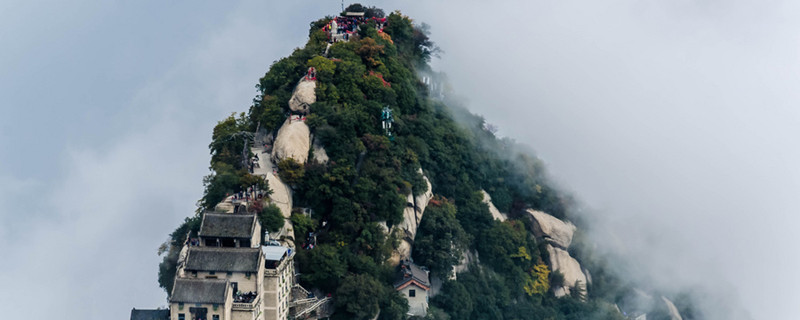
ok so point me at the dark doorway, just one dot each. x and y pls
(228, 242)
(199, 313)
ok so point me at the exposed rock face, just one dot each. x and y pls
(412, 215)
(320, 155)
(466, 259)
(415, 207)
(403, 251)
(182, 261)
(558, 235)
(411, 218)
(550, 228)
(421, 201)
(561, 261)
(673, 311)
(303, 96)
(293, 141)
(281, 194)
(383, 226)
(496, 214)
(225, 206)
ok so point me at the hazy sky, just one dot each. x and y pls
(674, 121)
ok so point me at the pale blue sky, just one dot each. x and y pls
(676, 123)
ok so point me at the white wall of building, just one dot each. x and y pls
(418, 304)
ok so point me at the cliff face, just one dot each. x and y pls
(293, 141)
(496, 214)
(294, 137)
(376, 123)
(412, 215)
(551, 229)
(303, 96)
(558, 235)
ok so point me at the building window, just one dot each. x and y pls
(180, 306)
(412, 293)
(216, 306)
(247, 275)
(194, 274)
(230, 273)
(212, 272)
(215, 317)
(181, 316)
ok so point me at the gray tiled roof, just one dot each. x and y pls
(223, 259)
(414, 272)
(227, 225)
(199, 291)
(149, 314)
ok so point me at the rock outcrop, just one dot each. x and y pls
(639, 302)
(281, 194)
(225, 206)
(467, 258)
(561, 261)
(415, 207)
(293, 141)
(553, 230)
(406, 230)
(303, 96)
(558, 235)
(673, 311)
(496, 214)
(320, 155)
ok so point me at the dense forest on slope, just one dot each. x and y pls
(370, 175)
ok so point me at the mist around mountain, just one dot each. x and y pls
(487, 266)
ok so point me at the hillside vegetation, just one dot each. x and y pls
(369, 176)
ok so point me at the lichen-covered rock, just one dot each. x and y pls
(496, 214)
(561, 261)
(555, 231)
(303, 96)
(293, 141)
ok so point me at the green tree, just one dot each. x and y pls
(224, 180)
(271, 218)
(302, 226)
(359, 296)
(394, 306)
(455, 300)
(325, 68)
(291, 171)
(324, 268)
(228, 141)
(268, 112)
(440, 241)
(171, 249)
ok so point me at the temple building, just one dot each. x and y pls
(227, 274)
(230, 230)
(413, 283)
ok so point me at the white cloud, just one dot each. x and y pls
(89, 248)
(675, 120)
